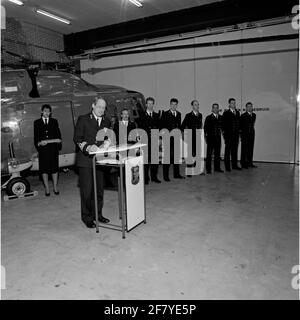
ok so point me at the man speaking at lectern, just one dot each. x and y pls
(85, 134)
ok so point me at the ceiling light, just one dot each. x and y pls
(50, 15)
(18, 2)
(136, 2)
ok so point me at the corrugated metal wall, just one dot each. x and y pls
(264, 73)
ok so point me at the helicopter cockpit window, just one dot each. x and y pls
(53, 85)
(80, 84)
(10, 91)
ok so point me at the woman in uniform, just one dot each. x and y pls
(47, 140)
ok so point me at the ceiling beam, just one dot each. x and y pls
(218, 14)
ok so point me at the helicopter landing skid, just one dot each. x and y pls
(24, 195)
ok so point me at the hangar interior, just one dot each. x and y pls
(229, 235)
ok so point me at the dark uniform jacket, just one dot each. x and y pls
(48, 154)
(213, 126)
(247, 123)
(131, 126)
(46, 132)
(147, 123)
(191, 121)
(168, 121)
(85, 135)
(231, 124)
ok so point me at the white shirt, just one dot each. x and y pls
(215, 115)
(195, 113)
(98, 119)
(149, 113)
(174, 113)
(125, 122)
(46, 120)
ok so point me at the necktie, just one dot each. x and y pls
(99, 121)
(46, 121)
(174, 113)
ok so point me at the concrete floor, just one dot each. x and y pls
(221, 236)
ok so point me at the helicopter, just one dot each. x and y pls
(24, 91)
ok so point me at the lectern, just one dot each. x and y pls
(131, 188)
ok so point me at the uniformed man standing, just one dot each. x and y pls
(150, 120)
(231, 119)
(171, 119)
(85, 134)
(193, 121)
(123, 128)
(213, 134)
(247, 123)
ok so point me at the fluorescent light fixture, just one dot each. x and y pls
(18, 2)
(50, 15)
(136, 2)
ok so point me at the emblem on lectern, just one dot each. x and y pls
(135, 175)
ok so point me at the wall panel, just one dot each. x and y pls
(264, 73)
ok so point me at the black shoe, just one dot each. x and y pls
(56, 193)
(155, 180)
(252, 166)
(228, 169)
(47, 194)
(103, 219)
(244, 167)
(219, 170)
(236, 168)
(167, 179)
(208, 172)
(179, 177)
(146, 181)
(189, 176)
(90, 224)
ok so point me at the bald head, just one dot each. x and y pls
(99, 106)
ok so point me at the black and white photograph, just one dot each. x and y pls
(150, 152)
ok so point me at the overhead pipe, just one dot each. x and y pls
(142, 49)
